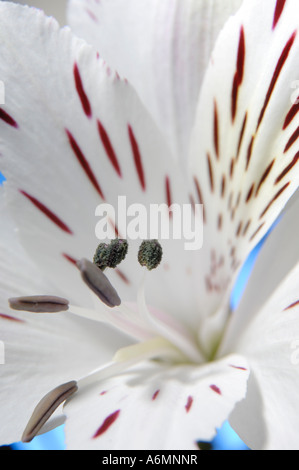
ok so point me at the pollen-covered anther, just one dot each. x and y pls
(110, 256)
(46, 408)
(39, 304)
(150, 254)
(96, 280)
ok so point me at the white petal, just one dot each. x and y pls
(161, 47)
(271, 344)
(156, 407)
(56, 178)
(243, 161)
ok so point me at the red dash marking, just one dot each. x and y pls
(223, 185)
(199, 195)
(238, 367)
(250, 192)
(84, 163)
(122, 276)
(9, 318)
(257, 231)
(274, 199)
(109, 149)
(291, 114)
(215, 389)
(91, 15)
(278, 69)
(249, 152)
(238, 231)
(103, 393)
(219, 222)
(292, 305)
(246, 228)
(106, 424)
(70, 259)
(8, 119)
(155, 395)
(264, 177)
(137, 158)
(241, 136)
(232, 168)
(238, 78)
(168, 194)
(280, 4)
(288, 168)
(292, 140)
(216, 130)
(211, 176)
(47, 212)
(189, 404)
(81, 92)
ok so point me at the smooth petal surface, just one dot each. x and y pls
(163, 407)
(244, 160)
(162, 48)
(75, 136)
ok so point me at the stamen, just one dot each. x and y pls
(150, 254)
(96, 280)
(46, 408)
(110, 256)
(39, 304)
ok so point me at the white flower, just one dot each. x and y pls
(171, 363)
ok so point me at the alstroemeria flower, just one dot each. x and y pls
(136, 114)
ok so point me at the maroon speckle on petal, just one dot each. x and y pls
(81, 92)
(280, 4)
(155, 395)
(238, 367)
(122, 276)
(264, 177)
(215, 389)
(70, 259)
(210, 170)
(7, 118)
(277, 195)
(109, 149)
(288, 168)
(106, 424)
(84, 163)
(238, 78)
(189, 404)
(47, 212)
(291, 114)
(216, 130)
(294, 304)
(10, 318)
(292, 140)
(283, 57)
(137, 158)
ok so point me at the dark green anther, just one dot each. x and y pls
(150, 254)
(109, 256)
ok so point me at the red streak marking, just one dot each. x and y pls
(109, 149)
(155, 395)
(137, 158)
(219, 223)
(168, 195)
(249, 152)
(241, 136)
(91, 15)
(246, 228)
(280, 4)
(274, 199)
(238, 78)
(291, 114)
(223, 185)
(199, 195)
(257, 231)
(240, 226)
(81, 92)
(215, 389)
(264, 177)
(122, 276)
(292, 305)
(288, 168)
(216, 130)
(238, 367)
(278, 69)
(70, 258)
(189, 404)
(232, 168)
(8, 317)
(47, 212)
(106, 424)
(250, 192)
(84, 163)
(292, 140)
(211, 176)
(8, 119)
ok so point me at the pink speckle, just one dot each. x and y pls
(106, 424)
(215, 389)
(189, 404)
